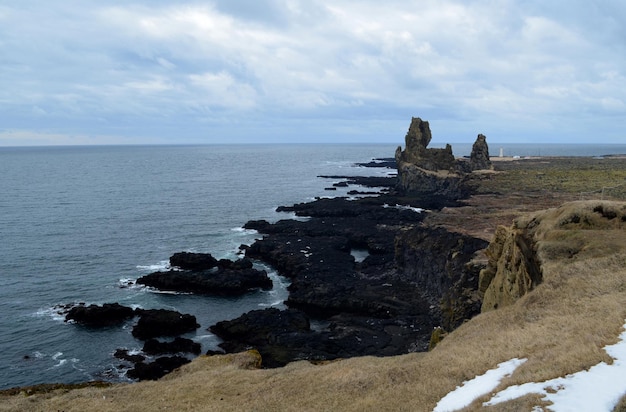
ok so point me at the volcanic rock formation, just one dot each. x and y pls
(479, 159)
(427, 171)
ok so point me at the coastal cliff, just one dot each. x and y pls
(516, 253)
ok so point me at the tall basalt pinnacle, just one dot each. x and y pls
(417, 138)
(424, 171)
(479, 159)
(416, 152)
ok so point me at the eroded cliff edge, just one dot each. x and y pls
(516, 253)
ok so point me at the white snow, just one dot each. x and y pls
(597, 389)
(480, 385)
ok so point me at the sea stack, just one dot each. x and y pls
(424, 171)
(479, 159)
(416, 152)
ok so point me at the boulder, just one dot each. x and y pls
(124, 355)
(157, 369)
(162, 322)
(479, 159)
(228, 279)
(193, 261)
(108, 314)
(178, 345)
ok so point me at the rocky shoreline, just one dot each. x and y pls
(396, 271)
(366, 276)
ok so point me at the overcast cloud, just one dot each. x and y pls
(226, 71)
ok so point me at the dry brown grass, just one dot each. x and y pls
(621, 406)
(560, 327)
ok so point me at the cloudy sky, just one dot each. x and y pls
(243, 71)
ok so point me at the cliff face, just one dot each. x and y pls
(439, 263)
(513, 268)
(554, 236)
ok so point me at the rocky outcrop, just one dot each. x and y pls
(369, 307)
(157, 369)
(513, 268)
(108, 314)
(416, 152)
(221, 281)
(178, 345)
(517, 253)
(162, 322)
(440, 264)
(193, 261)
(427, 171)
(479, 159)
(415, 181)
(205, 275)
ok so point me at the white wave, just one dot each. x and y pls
(209, 336)
(61, 363)
(272, 304)
(127, 283)
(244, 231)
(164, 292)
(162, 265)
(55, 313)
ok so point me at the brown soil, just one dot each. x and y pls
(518, 186)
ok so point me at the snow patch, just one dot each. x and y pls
(596, 389)
(480, 385)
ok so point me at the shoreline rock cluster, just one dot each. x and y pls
(408, 281)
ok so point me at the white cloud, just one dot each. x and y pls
(461, 65)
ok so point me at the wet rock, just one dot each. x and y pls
(108, 314)
(371, 307)
(161, 322)
(178, 345)
(157, 369)
(193, 261)
(228, 279)
(124, 355)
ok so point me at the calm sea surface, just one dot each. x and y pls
(77, 224)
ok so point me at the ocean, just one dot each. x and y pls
(80, 224)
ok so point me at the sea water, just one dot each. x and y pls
(81, 224)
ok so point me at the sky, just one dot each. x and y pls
(301, 71)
